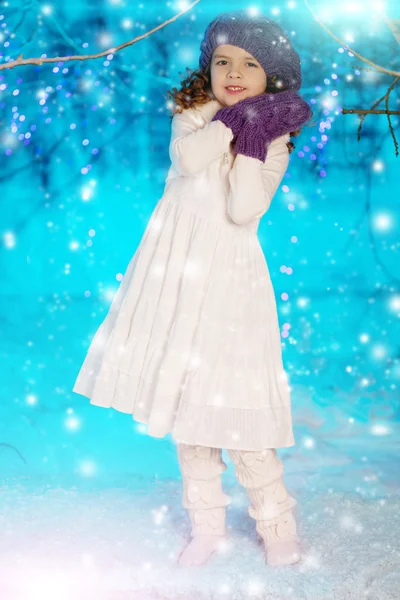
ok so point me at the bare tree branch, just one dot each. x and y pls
(13, 448)
(366, 60)
(39, 61)
(394, 25)
(361, 111)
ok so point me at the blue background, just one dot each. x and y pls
(84, 147)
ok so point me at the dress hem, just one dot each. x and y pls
(210, 426)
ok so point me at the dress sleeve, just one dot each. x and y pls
(253, 183)
(192, 148)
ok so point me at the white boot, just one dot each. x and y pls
(282, 553)
(281, 541)
(201, 469)
(261, 473)
(200, 548)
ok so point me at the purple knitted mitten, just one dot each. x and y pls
(232, 117)
(266, 117)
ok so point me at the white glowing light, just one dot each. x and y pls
(72, 423)
(87, 468)
(42, 583)
(186, 54)
(380, 429)
(224, 588)
(325, 12)
(309, 442)
(349, 522)
(104, 99)
(47, 9)
(312, 561)
(159, 515)
(86, 84)
(9, 140)
(105, 39)
(291, 4)
(86, 193)
(254, 588)
(31, 399)
(379, 351)
(383, 221)
(364, 338)
(353, 7)
(378, 166)
(9, 239)
(394, 303)
(349, 37)
(379, 5)
(183, 5)
(127, 23)
(329, 102)
(302, 302)
(275, 10)
(109, 294)
(253, 11)
(74, 245)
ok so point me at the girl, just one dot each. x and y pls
(191, 344)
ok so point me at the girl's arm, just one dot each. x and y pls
(253, 183)
(192, 149)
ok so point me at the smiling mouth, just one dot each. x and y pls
(239, 89)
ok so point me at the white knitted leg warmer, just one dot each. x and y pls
(261, 473)
(201, 469)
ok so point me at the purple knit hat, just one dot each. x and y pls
(259, 35)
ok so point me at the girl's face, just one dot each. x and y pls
(233, 66)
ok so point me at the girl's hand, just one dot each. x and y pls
(209, 109)
(266, 117)
(232, 117)
(236, 115)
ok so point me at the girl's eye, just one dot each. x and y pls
(249, 63)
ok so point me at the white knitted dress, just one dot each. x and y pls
(191, 343)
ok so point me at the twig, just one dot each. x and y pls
(372, 110)
(13, 448)
(19, 226)
(364, 112)
(26, 166)
(18, 25)
(394, 25)
(39, 61)
(361, 111)
(382, 69)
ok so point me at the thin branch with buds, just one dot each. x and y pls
(394, 26)
(378, 67)
(39, 61)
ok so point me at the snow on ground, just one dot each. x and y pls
(118, 537)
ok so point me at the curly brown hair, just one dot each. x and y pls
(196, 89)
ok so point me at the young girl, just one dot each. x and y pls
(191, 343)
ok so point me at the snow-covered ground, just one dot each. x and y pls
(113, 527)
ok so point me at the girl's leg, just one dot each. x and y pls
(201, 469)
(261, 473)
